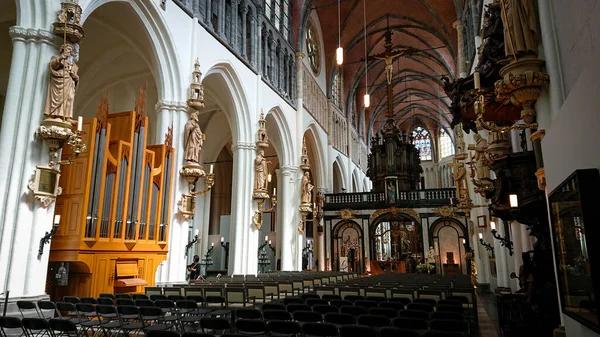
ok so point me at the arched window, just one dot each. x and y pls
(268, 8)
(336, 90)
(446, 146)
(422, 141)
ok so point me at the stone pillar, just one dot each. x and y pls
(518, 250)
(286, 214)
(254, 61)
(222, 19)
(23, 220)
(460, 59)
(244, 10)
(235, 13)
(243, 242)
(208, 13)
(174, 114)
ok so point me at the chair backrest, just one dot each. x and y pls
(256, 291)
(106, 301)
(307, 316)
(316, 301)
(414, 314)
(172, 291)
(320, 329)
(63, 325)
(297, 307)
(248, 313)
(284, 328)
(340, 319)
(27, 308)
(324, 309)
(345, 292)
(365, 304)
(387, 312)
(395, 332)
(125, 301)
(250, 326)
(397, 306)
(66, 309)
(278, 315)
(107, 295)
(47, 305)
(354, 311)
(126, 296)
(373, 320)
(158, 297)
(357, 330)
(273, 306)
(214, 324)
(235, 295)
(448, 325)
(340, 303)
(411, 323)
(420, 306)
(271, 290)
(149, 291)
(8, 322)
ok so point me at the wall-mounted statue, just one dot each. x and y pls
(307, 188)
(63, 83)
(483, 172)
(194, 138)
(260, 171)
(521, 33)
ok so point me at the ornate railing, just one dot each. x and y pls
(338, 130)
(314, 99)
(425, 198)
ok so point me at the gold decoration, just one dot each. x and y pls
(169, 138)
(444, 212)
(44, 185)
(196, 99)
(541, 178)
(396, 211)
(187, 206)
(346, 214)
(261, 173)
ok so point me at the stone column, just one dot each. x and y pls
(235, 13)
(244, 10)
(518, 250)
(243, 243)
(174, 113)
(222, 20)
(286, 211)
(23, 220)
(254, 37)
(208, 13)
(460, 59)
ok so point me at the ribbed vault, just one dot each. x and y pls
(425, 25)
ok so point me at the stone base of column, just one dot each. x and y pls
(12, 310)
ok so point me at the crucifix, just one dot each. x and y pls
(388, 56)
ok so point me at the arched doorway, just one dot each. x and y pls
(447, 236)
(348, 244)
(396, 242)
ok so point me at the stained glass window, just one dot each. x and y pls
(446, 145)
(422, 141)
(313, 48)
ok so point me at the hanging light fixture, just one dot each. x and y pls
(339, 53)
(367, 98)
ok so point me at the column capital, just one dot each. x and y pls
(287, 170)
(300, 55)
(170, 106)
(243, 146)
(457, 24)
(18, 33)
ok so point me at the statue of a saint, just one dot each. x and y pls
(194, 138)
(483, 172)
(307, 188)
(260, 171)
(431, 255)
(521, 36)
(391, 192)
(63, 83)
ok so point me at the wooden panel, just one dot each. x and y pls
(127, 269)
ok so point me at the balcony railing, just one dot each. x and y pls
(405, 199)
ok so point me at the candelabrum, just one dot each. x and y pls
(207, 260)
(263, 258)
(190, 244)
(504, 241)
(46, 239)
(225, 246)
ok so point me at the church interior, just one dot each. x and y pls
(299, 167)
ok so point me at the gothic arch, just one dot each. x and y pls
(312, 136)
(348, 235)
(165, 63)
(355, 179)
(338, 164)
(281, 140)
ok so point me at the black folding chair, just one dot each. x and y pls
(248, 313)
(319, 330)
(13, 324)
(61, 327)
(325, 309)
(395, 332)
(339, 319)
(105, 301)
(357, 330)
(131, 319)
(109, 318)
(307, 317)
(214, 325)
(28, 308)
(47, 306)
(251, 327)
(397, 306)
(153, 318)
(389, 313)
(284, 328)
(276, 315)
(273, 306)
(37, 327)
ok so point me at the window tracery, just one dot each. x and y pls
(446, 145)
(313, 48)
(422, 141)
(336, 90)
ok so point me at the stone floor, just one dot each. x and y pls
(488, 317)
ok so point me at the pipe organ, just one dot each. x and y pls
(115, 203)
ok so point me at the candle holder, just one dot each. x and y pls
(504, 241)
(46, 239)
(263, 258)
(487, 246)
(190, 244)
(207, 260)
(225, 246)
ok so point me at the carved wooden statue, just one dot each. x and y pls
(63, 83)
(260, 171)
(194, 138)
(521, 34)
(307, 188)
(483, 172)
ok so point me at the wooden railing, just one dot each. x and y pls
(424, 198)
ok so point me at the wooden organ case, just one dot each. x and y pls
(115, 206)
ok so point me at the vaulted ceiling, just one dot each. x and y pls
(425, 25)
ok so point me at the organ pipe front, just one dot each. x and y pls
(115, 206)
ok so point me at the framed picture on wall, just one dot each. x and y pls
(481, 221)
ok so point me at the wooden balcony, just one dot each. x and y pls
(375, 200)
